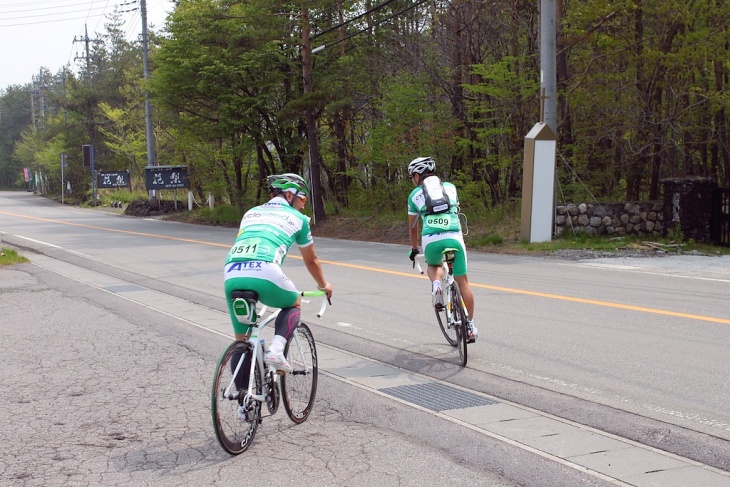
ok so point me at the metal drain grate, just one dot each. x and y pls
(437, 396)
(123, 288)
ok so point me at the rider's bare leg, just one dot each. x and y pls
(466, 293)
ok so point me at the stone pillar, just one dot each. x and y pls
(688, 204)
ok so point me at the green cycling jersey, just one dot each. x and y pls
(439, 222)
(268, 231)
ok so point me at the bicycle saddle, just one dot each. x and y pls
(247, 295)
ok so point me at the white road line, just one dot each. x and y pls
(38, 241)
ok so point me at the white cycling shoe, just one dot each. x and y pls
(437, 295)
(277, 360)
(473, 333)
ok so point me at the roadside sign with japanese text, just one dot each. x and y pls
(113, 179)
(166, 177)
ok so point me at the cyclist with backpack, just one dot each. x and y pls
(254, 262)
(437, 204)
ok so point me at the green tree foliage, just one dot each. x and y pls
(642, 95)
(227, 71)
(647, 93)
(15, 115)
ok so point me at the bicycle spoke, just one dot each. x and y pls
(460, 317)
(299, 387)
(447, 327)
(235, 422)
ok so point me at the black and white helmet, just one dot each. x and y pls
(421, 165)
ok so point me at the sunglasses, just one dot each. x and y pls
(302, 197)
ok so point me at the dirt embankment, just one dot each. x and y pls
(362, 229)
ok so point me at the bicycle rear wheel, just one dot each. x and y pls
(460, 322)
(299, 387)
(235, 424)
(448, 329)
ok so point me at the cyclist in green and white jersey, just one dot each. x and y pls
(254, 262)
(440, 231)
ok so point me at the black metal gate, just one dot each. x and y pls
(720, 225)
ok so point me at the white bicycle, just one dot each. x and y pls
(242, 382)
(453, 318)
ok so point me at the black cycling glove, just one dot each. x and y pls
(413, 254)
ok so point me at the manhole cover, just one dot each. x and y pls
(437, 396)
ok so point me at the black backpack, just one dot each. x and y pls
(437, 201)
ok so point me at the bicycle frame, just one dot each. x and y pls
(253, 339)
(446, 281)
(258, 355)
(236, 407)
(452, 316)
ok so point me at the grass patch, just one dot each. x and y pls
(607, 243)
(221, 215)
(11, 257)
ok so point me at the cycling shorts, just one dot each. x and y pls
(433, 246)
(266, 278)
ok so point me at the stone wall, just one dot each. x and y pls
(633, 218)
(687, 206)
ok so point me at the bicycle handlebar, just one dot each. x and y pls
(416, 262)
(311, 294)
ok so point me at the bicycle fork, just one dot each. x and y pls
(298, 354)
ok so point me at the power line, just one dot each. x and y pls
(374, 9)
(54, 13)
(383, 20)
(51, 21)
(98, 21)
(41, 2)
(46, 8)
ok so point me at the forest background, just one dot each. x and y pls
(237, 95)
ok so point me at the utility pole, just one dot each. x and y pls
(41, 92)
(147, 105)
(32, 109)
(37, 89)
(548, 78)
(63, 183)
(89, 107)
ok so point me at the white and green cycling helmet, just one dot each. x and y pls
(288, 182)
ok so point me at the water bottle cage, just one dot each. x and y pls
(245, 311)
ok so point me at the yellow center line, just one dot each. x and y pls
(412, 275)
(61, 222)
(546, 295)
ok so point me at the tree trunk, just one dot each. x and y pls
(634, 171)
(565, 121)
(722, 150)
(315, 159)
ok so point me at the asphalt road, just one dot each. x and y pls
(634, 349)
(98, 392)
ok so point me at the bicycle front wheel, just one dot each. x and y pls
(299, 387)
(235, 421)
(460, 322)
(448, 329)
